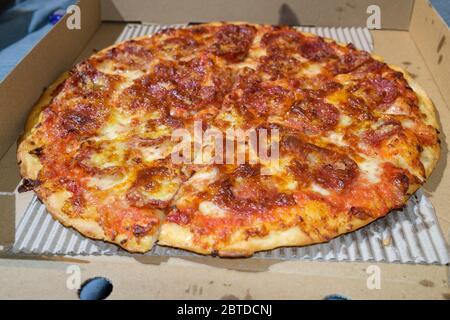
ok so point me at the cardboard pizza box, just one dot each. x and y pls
(412, 35)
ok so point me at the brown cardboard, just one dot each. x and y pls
(432, 35)
(395, 14)
(40, 277)
(49, 58)
(181, 279)
(398, 47)
(10, 176)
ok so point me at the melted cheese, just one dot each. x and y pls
(345, 121)
(371, 168)
(117, 126)
(336, 138)
(210, 209)
(156, 152)
(316, 188)
(111, 154)
(201, 179)
(107, 181)
(312, 69)
(165, 190)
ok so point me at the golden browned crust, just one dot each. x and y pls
(430, 155)
(29, 164)
(175, 235)
(93, 229)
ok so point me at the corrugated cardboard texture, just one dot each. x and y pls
(394, 14)
(411, 235)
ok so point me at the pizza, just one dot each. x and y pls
(110, 147)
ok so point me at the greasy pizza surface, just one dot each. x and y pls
(356, 138)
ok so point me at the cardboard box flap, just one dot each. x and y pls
(432, 37)
(53, 55)
(394, 14)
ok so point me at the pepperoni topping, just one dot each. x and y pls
(179, 88)
(386, 89)
(246, 170)
(328, 168)
(360, 213)
(337, 174)
(426, 134)
(357, 107)
(396, 184)
(258, 98)
(279, 66)
(313, 116)
(262, 100)
(82, 119)
(252, 189)
(248, 196)
(148, 182)
(296, 145)
(350, 61)
(282, 41)
(401, 182)
(179, 217)
(132, 55)
(225, 197)
(316, 49)
(383, 132)
(371, 66)
(301, 171)
(379, 92)
(177, 43)
(232, 42)
(284, 200)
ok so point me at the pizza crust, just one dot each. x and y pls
(93, 229)
(174, 235)
(430, 154)
(30, 164)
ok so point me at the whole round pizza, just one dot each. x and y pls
(153, 140)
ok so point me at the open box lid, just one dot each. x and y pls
(415, 23)
(395, 14)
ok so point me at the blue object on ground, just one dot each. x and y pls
(336, 296)
(443, 7)
(97, 288)
(56, 16)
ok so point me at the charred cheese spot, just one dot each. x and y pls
(154, 186)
